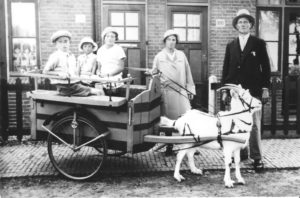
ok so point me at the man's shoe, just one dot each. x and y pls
(258, 165)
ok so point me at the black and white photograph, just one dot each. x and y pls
(149, 98)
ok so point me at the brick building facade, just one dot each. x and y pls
(204, 46)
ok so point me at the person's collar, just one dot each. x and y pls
(244, 36)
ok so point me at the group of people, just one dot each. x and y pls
(108, 63)
(246, 63)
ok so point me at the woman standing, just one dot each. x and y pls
(176, 79)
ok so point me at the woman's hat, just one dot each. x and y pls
(87, 40)
(107, 30)
(60, 33)
(243, 13)
(170, 33)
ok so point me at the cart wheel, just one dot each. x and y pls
(76, 163)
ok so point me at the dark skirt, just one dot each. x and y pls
(76, 89)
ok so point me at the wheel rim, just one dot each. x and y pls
(77, 164)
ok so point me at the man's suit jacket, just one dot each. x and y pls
(250, 68)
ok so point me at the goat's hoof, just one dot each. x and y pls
(240, 181)
(197, 171)
(229, 184)
(179, 177)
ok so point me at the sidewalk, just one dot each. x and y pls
(31, 159)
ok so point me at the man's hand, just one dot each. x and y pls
(225, 97)
(265, 95)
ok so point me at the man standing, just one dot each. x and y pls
(247, 63)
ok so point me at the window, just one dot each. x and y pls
(269, 30)
(126, 24)
(293, 2)
(187, 26)
(24, 36)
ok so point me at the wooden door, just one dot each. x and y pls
(129, 21)
(191, 25)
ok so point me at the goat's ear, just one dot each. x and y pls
(233, 93)
(240, 86)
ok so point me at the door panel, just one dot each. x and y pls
(129, 21)
(191, 24)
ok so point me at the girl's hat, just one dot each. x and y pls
(243, 13)
(60, 33)
(170, 33)
(87, 40)
(107, 30)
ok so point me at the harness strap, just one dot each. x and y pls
(219, 137)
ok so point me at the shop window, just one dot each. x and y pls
(23, 36)
(269, 30)
(187, 26)
(126, 24)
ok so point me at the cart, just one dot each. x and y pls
(82, 131)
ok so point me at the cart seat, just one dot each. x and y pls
(46, 95)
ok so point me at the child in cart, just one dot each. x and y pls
(63, 63)
(87, 62)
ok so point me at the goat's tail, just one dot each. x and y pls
(164, 121)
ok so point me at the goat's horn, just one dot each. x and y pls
(233, 85)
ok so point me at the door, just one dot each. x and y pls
(129, 21)
(291, 64)
(191, 25)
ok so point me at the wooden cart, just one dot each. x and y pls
(82, 131)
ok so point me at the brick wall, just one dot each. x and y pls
(57, 14)
(157, 25)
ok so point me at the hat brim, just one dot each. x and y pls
(249, 17)
(95, 46)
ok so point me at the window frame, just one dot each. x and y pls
(277, 9)
(10, 31)
(186, 27)
(124, 26)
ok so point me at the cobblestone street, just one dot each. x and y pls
(31, 159)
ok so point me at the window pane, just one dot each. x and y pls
(193, 35)
(179, 20)
(24, 54)
(294, 23)
(117, 18)
(23, 19)
(292, 44)
(194, 20)
(272, 48)
(132, 33)
(294, 67)
(269, 25)
(262, 2)
(275, 2)
(132, 19)
(293, 1)
(120, 31)
(181, 33)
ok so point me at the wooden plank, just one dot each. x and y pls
(177, 139)
(19, 109)
(90, 100)
(298, 105)
(33, 120)
(286, 104)
(273, 106)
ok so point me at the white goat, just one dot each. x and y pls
(199, 124)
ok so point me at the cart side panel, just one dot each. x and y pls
(43, 111)
(146, 114)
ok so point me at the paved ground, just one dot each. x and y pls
(31, 159)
